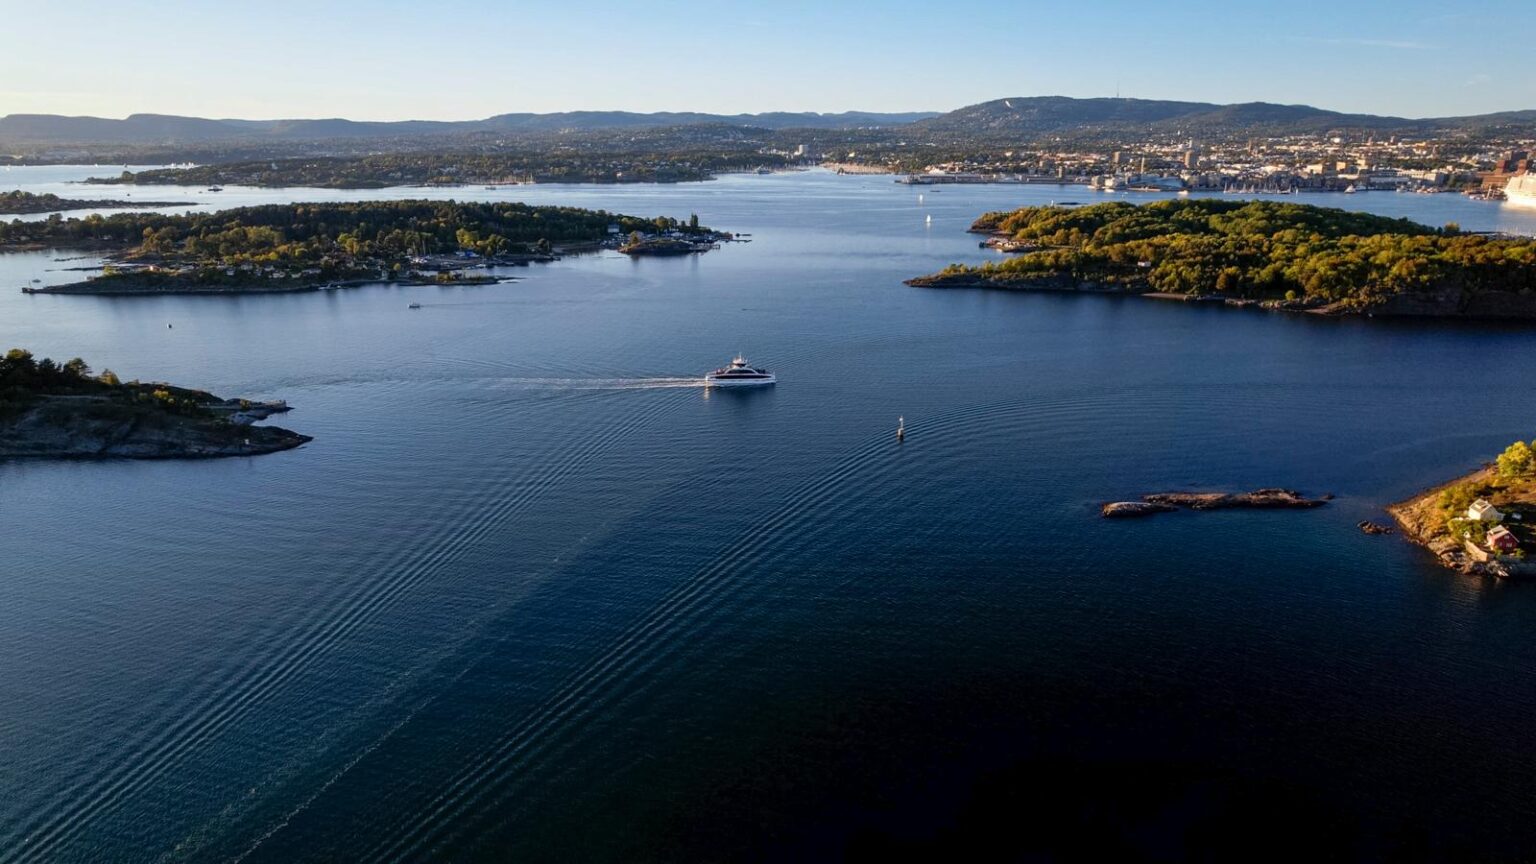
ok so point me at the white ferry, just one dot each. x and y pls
(739, 374)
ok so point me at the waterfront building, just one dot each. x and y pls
(1501, 539)
(1483, 511)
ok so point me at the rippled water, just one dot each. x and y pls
(532, 594)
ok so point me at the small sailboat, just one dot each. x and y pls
(928, 220)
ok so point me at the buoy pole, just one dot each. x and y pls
(901, 429)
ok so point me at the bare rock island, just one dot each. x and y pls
(1259, 499)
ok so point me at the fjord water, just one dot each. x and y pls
(533, 594)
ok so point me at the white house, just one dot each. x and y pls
(1482, 511)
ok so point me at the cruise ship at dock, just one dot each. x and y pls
(1521, 190)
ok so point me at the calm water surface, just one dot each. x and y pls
(532, 594)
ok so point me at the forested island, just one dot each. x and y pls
(19, 202)
(1275, 255)
(555, 165)
(298, 247)
(63, 410)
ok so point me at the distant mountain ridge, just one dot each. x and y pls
(1016, 118)
(172, 129)
(1039, 115)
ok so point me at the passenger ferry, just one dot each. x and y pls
(739, 374)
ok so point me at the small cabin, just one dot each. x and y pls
(1500, 539)
(1482, 511)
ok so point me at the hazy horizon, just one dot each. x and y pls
(465, 60)
(725, 113)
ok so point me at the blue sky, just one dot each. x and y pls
(455, 60)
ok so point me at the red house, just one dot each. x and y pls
(1501, 540)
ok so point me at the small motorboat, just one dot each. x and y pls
(739, 374)
(414, 306)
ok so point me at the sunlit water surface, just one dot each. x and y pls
(533, 594)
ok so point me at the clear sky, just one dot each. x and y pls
(457, 59)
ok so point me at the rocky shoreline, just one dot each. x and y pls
(128, 286)
(1423, 523)
(24, 203)
(96, 428)
(1167, 502)
(1445, 303)
(92, 428)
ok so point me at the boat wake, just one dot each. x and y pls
(597, 383)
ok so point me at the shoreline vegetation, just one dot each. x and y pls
(1282, 257)
(283, 248)
(22, 203)
(380, 171)
(64, 411)
(1480, 523)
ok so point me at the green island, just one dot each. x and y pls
(19, 202)
(555, 164)
(1484, 522)
(63, 410)
(305, 247)
(1273, 255)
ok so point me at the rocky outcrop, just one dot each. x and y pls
(1062, 283)
(100, 429)
(1451, 301)
(1165, 502)
(1447, 301)
(1132, 509)
(1264, 499)
(1366, 526)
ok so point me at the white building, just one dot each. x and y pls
(1482, 511)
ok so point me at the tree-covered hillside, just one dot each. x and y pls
(1311, 256)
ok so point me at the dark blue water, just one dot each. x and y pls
(531, 594)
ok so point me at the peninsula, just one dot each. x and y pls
(305, 247)
(1271, 255)
(62, 410)
(19, 202)
(1484, 522)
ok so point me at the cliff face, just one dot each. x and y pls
(1060, 282)
(1452, 302)
(96, 429)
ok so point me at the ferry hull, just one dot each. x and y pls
(749, 382)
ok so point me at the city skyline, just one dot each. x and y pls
(466, 60)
